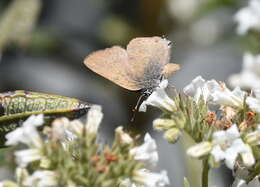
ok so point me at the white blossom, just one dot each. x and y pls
(27, 133)
(61, 130)
(214, 92)
(146, 152)
(249, 77)
(148, 179)
(200, 88)
(248, 17)
(26, 156)
(227, 145)
(94, 118)
(226, 97)
(159, 98)
(242, 183)
(42, 179)
(254, 102)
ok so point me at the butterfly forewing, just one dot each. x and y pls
(112, 63)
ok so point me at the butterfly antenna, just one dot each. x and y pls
(135, 109)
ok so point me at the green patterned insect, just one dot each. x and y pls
(17, 106)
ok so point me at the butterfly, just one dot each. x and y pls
(141, 66)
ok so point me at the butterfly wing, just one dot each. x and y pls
(112, 63)
(169, 69)
(148, 56)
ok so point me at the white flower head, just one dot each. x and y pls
(227, 145)
(200, 88)
(248, 17)
(215, 93)
(42, 179)
(249, 77)
(146, 152)
(226, 97)
(94, 118)
(159, 98)
(27, 133)
(149, 179)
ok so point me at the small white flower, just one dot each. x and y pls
(159, 98)
(227, 145)
(61, 131)
(226, 97)
(42, 179)
(24, 157)
(242, 183)
(148, 179)
(94, 118)
(200, 88)
(215, 93)
(248, 157)
(249, 77)
(27, 133)
(254, 102)
(248, 17)
(146, 152)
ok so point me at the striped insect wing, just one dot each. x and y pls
(17, 106)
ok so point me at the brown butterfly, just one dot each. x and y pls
(141, 66)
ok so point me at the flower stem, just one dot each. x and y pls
(205, 173)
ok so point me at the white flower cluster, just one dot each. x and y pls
(249, 77)
(226, 145)
(215, 93)
(66, 131)
(248, 17)
(28, 135)
(147, 153)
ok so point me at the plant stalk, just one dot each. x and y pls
(205, 174)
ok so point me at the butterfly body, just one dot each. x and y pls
(141, 66)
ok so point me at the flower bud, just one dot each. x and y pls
(200, 149)
(248, 157)
(123, 137)
(253, 138)
(172, 135)
(161, 124)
